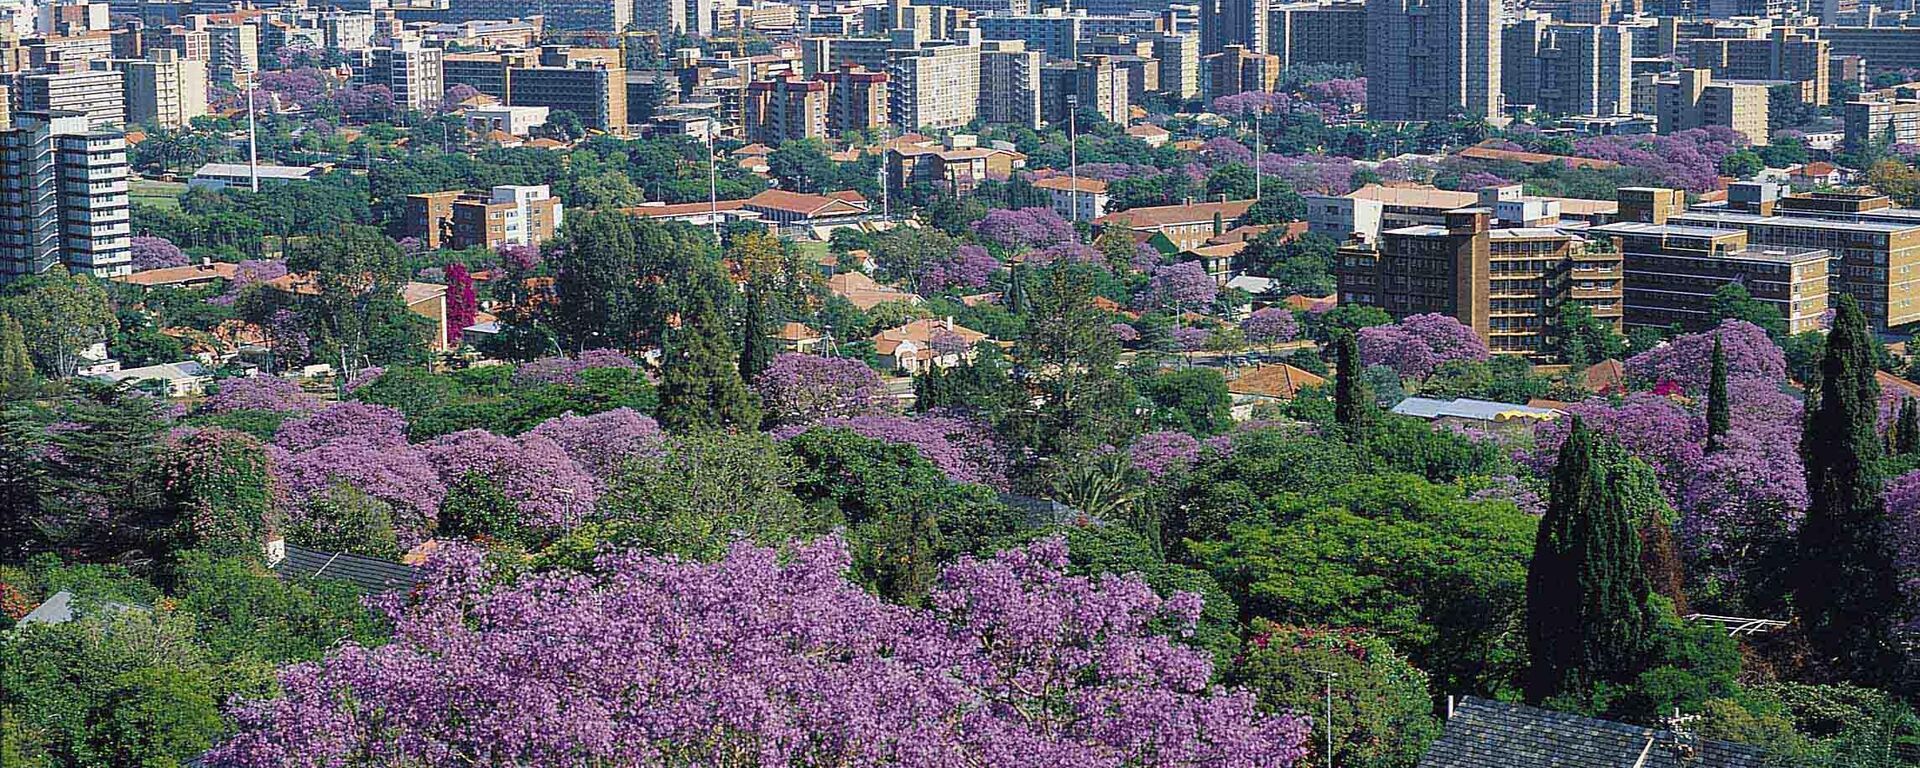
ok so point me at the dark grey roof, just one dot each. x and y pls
(1484, 734)
(58, 609)
(370, 574)
(1039, 513)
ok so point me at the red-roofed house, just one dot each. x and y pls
(794, 209)
(916, 346)
(1075, 199)
(1186, 226)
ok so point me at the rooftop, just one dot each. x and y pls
(1467, 408)
(1483, 733)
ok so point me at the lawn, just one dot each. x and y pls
(162, 194)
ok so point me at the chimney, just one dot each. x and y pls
(949, 322)
(276, 551)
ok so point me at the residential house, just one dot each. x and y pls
(1075, 199)
(1274, 383)
(187, 378)
(1186, 226)
(864, 293)
(927, 343)
(1478, 414)
(188, 276)
(1155, 136)
(1480, 733)
(781, 208)
(955, 168)
(797, 337)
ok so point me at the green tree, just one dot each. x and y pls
(1382, 712)
(1719, 411)
(16, 363)
(802, 165)
(21, 474)
(1069, 355)
(1844, 580)
(695, 499)
(352, 297)
(1906, 429)
(1734, 302)
(1583, 339)
(346, 519)
(1588, 619)
(756, 332)
(700, 386)
(1353, 403)
(597, 270)
(1742, 165)
(102, 498)
(61, 315)
(1191, 400)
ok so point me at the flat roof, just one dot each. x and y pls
(1682, 230)
(1886, 227)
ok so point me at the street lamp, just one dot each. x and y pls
(1330, 677)
(1073, 156)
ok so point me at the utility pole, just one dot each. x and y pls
(1329, 717)
(1258, 143)
(253, 150)
(1073, 156)
(713, 184)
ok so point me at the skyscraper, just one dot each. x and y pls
(63, 197)
(1433, 59)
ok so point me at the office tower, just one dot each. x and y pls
(1691, 99)
(1053, 33)
(680, 17)
(856, 99)
(164, 88)
(1179, 55)
(1238, 69)
(504, 215)
(346, 31)
(1568, 69)
(412, 71)
(193, 44)
(595, 92)
(1095, 84)
(1319, 32)
(1010, 83)
(70, 19)
(934, 86)
(929, 22)
(97, 94)
(234, 51)
(1507, 284)
(1674, 270)
(1783, 55)
(1233, 22)
(1433, 59)
(786, 109)
(63, 197)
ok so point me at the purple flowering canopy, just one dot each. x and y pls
(1023, 228)
(350, 420)
(601, 443)
(1160, 453)
(155, 252)
(962, 449)
(566, 370)
(1270, 325)
(969, 266)
(1902, 497)
(1416, 345)
(1688, 360)
(800, 389)
(261, 393)
(1181, 286)
(768, 658)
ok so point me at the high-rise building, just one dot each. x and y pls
(410, 69)
(1881, 120)
(1568, 69)
(193, 44)
(1053, 33)
(1094, 84)
(1691, 99)
(1318, 32)
(1238, 69)
(97, 94)
(605, 16)
(1433, 59)
(1783, 55)
(234, 50)
(934, 86)
(594, 91)
(1674, 270)
(164, 88)
(1233, 22)
(1010, 83)
(63, 197)
(680, 17)
(1179, 56)
(1507, 284)
(789, 108)
(856, 99)
(504, 215)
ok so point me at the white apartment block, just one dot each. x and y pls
(935, 86)
(164, 88)
(63, 198)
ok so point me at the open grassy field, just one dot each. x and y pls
(163, 194)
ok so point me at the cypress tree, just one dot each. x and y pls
(20, 485)
(1906, 431)
(756, 346)
(1843, 583)
(1017, 300)
(700, 386)
(16, 363)
(1588, 616)
(1353, 402)
(1719, 413)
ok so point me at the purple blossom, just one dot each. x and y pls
(248, 273)
(603, 442)
(1160, 453)
(964, 450)
(375, 425)
(1688, 360)
(566, 370)
(363, 377)
(800, 389)
(767, 657)
(1511, 489)
(261, 393)
(1270, 325)
(1416, 345)
(1655, 429)
(969, 266)
(534, 472)
(1224, 151)
(1902, 497)
(155, 253)
(1185, 285)
(1321, 174)
(1071, 252)
(522, 258)
(392, 472)
(1125, 333)
(1190, 339)
(1687, 159)
(1023, 228)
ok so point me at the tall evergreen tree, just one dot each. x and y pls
(1844, 581)
(1719, 412)
(20, 489)
(756, 332)
(700, 386)
(16, 363)
(1906, 430)
(1588, 616)
(1353, 402)
(1017, 299)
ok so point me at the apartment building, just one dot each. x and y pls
(408, 68)
(1054, 33)
(1507, 284)
(1875, 247)
(192, 44)
(1568, 69)
(164, 89)
(63, 197)
(504, 215)
(97, 94)
(1239, 69)
(1785, 54)
(1010, 83)
(1891, 47)
(787, 109)
(1233, 22)
(955, 167)
(1884, 120)
(233, 50)
(1691, 99)
(1332, 32)
(856, 99)
(1179, 57)
(1093, 85)
(595, 92)
(604, 16)
(936, 86)
(1673, 272)
(1433, 59)
(1185, 227)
